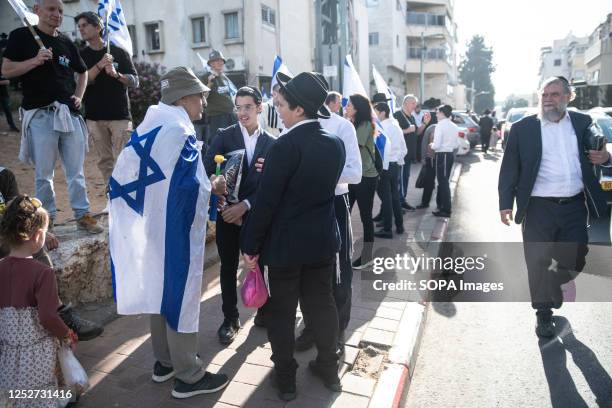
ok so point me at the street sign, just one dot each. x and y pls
(330, 70)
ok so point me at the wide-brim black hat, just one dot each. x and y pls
(380, 97)
(309, 90)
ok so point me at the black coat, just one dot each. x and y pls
(229, 139)
(294, 222)
(521, 165)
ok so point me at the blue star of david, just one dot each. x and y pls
(139, 186)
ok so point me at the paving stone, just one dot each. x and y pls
(389, 313)
(350, 354)
(352, 338)
(380, 338)
(356, 384)
(362, 313)
(223, 356)
(384, 324)
(357, 324)
(252, 374)
(260, 356)
(350, 400)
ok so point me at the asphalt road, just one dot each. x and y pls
(487, 354)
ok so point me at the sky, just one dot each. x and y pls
(517, 29)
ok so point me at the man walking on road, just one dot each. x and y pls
(548, 170)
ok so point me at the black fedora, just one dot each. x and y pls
(308, 89)
(380, 97)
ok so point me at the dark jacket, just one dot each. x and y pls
(486, 125)
(521, 165)
(229, 139)
(294, 222)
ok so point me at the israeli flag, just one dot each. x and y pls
(23, 12)
(157, 220)
(381, 141)
(382, 87)
(118, 33)
(278, 66)
(351, 83)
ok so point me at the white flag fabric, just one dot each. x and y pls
(382, 87)
(351, 83)
(278, 66)
(23, 12)
(159, 197)
(117, 26)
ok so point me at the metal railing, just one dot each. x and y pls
(431, 53)
(426, 19)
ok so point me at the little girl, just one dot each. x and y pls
(30, 327)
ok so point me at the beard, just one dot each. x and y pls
(553, 114)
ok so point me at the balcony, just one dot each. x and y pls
(429, 23)
(431, 53)
(593, 51)
(440, 67)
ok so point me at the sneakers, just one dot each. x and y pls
(85, 329)
(228, 331)
(384, 234)
(422, 206)
(545, 327)
(207, 385)
(305, 341)
(407, 206)
(286, 388)
(399, 230)
(89, 224)
(329, 377)
(441, 214)
(359, 264)
(162, 374)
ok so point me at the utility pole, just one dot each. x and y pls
(422, 79)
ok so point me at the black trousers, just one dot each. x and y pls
(363, 193)
(555, 242)
(485, 138)
(430, 181)
(6, 107)
(444, 165)
(228, 245)
(312, 285)
(388, 191)
(404, 178)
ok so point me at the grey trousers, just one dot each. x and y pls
(177, 350)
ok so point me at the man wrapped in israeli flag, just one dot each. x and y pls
(159, 197)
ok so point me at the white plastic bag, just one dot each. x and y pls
(74, 374)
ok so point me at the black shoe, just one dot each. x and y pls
(545, 327)
(400, 230)
(260, 320)
(85, 329)
(407, 206)
(359, 264)
(380, 224)
(287, 390)
(378, 218)
(162, 374)
(441, 214)
(228, 330)
(422, 206)
(329, 377)
(384, 234)
(15, 129)
(207, 385)
(304, 341)
(340, 350)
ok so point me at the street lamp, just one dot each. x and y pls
(423, 51)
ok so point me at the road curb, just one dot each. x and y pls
(395, 378)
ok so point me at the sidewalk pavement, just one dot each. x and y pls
(381, 344)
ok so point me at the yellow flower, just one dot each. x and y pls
(219, 158)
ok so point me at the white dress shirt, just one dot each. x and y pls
(560, 174)
(398, 149)
(344, 129)
(250, 141)
(445, 136)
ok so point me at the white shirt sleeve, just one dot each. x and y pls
(351, 173)
(437, 140)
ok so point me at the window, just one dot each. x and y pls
(198, 30)
(373, 39)
(154, 37)
(232, 28)
(132, 31)
(557, 63)
(268, 16)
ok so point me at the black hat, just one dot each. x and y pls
(250, 91)
(309, 90)
(215, 55)
(379, 97)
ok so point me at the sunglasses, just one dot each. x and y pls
(30, 204)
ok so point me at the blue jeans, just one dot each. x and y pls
(46, 144)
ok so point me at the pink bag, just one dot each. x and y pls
(254, 292)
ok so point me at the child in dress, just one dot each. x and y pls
(30, 327)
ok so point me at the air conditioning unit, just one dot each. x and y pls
(235, 64)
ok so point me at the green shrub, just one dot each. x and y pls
(148, 92)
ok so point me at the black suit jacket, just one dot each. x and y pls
(229, 139)
(294, 222)
(521, 165)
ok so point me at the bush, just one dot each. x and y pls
(148, 92)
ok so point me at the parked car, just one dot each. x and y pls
(513, 116)
(603, 123)
(601, 111)
(467, 127)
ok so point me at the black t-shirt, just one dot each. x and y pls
(52, 81)
(410, 138)
(106, 98)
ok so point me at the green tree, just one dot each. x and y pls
(476, 68)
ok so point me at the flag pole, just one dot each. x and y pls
(34, 34)
(107, 32)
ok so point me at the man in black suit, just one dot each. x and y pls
(249, 137)
(293, 230)
(548, 169)
(486, 126)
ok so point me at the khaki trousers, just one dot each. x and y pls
(109, 138)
